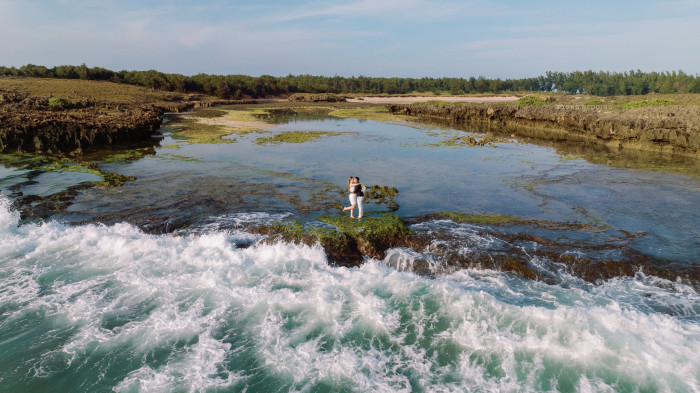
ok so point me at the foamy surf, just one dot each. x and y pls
(99, 308)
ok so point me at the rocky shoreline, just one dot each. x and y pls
(673, 129)
(52, 125)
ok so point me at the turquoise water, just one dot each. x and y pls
(153, 287)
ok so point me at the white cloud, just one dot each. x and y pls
(417, 9)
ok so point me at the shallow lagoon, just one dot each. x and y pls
(189, 185)
(129, 307)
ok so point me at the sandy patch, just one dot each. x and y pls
(238, 124)
(238, 120)
(410, 100)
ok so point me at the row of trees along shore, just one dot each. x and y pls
(237, 86)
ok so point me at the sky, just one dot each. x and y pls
(377, 38)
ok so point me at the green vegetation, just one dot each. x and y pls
(349, 239)
(648, 103)
(109, 179)
(307, 97)
(384, 195)
(573, 157)
(374, 113)
(466, 140)
(85, 100)
(237, 86)
(110, 156)
(207, 113)
(192, 131)
(59, 102)
(177, 158)
(498, 219)
(441, 103)
(531, 101)
(485, 219)
(294, 137)
(594, 101)
(211, 125)
(382, 228)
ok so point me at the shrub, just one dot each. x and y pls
(59, 103)
(531, 101)
(648, 103)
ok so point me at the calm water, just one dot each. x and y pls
(103, 297)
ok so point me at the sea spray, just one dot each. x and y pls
(98, 308)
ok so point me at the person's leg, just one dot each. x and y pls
(353, 202)
(353, 199)
(359, 206)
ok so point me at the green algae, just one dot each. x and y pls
(384, 195)
(210, 126)
(172, 146)
(33, 206)
(207, 113)
(348, 239)
(498, 219)
(572, 157)
(469, 141)
(109, 157)
(294, 137)
(383, 227)
(375, 113)
(484, 219)
(193, 131)
(178, 158)
(461, 141)
(109, 179)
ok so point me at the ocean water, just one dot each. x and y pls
(92, 308)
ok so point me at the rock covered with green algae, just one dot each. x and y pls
(38, 207)
(294, 137)
(347, 240)
(384, 195)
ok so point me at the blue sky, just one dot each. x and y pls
(408, 38)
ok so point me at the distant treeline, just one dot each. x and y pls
(237, 86)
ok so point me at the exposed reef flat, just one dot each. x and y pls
(68, 116)
(665, 128)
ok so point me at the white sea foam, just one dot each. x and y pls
(195, 312)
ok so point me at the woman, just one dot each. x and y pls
(360, 195)
(352, 197)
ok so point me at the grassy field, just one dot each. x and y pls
(104, 94)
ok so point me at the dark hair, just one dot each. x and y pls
(357, 178)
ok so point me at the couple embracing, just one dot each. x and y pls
(356, 196)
